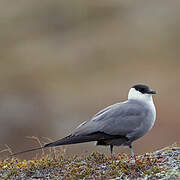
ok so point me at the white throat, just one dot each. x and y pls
(136, 95)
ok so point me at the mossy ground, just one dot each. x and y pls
(161, 164)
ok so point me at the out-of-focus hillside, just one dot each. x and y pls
(62, 61)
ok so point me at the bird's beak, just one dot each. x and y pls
(151, 92)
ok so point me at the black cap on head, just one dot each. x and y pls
(144, 89)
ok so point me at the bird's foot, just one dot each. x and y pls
(133, 158)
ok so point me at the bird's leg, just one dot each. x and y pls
(111, 149)
(131, 150)
(132, 154)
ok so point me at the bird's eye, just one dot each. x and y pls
(143, 90)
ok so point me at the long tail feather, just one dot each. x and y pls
(74, 139)
(29, 150)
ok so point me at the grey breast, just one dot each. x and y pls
(131, 119)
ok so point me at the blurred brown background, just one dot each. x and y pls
(62, 61)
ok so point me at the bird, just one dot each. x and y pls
(119, 124)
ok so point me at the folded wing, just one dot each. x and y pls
(118, 119)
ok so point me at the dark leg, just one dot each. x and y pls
(131, 150)
(111, 149)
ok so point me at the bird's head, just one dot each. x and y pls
(141, 92)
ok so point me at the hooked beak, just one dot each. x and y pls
(151, 92)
